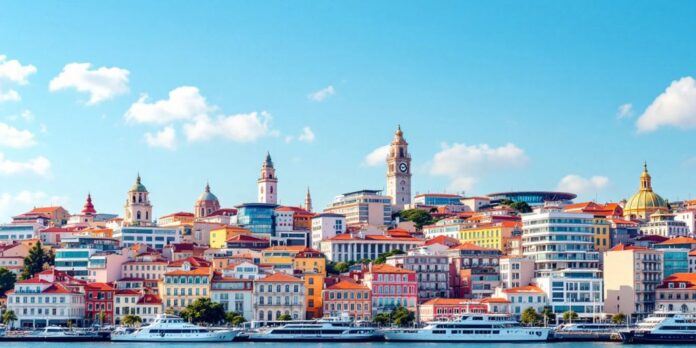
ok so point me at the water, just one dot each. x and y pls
(316, 345)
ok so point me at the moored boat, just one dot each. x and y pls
(170, 328)
(328, 329)
(663, 327)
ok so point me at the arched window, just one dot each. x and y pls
(287, 287)
(277, 314)
(147, 215)
(271, 189)
(684, 308)
(137, 215)
(260, 315)
(133, 198)
(261, 302)
(270, 315)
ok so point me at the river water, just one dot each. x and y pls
(314, 345)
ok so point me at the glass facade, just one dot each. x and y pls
(257, 217)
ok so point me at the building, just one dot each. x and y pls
(358, 246)
(54, 235)
(310, 265)
(399, 172)
(268, 183)
(348, 298)
(16, 232)
(365, 207)
(141, 303)
(439, 200)
(220, 236)
(326, 226)
(516, 271)
(533, 198)
(105, 267)
(185, 284)
(153, 237)
(677, 292)
(474, 271)
(523, 297)
(432, 273)
(146, 266)
(242, 241)
(449, 228)
(577, 290)
(99, 303)
(391, 287)
(259, 218)
(54, 216)
(233, 293)
(631, 275)
(676, 254)
(206, 204)
(74, 257)
(687, 216)
(665, 225)
(279, 294)
(308, 201)
(645, 202)
(490, 235)
(449, 308)
(138, 210)
(281, 258)
(181, 218)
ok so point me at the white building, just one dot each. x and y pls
(365, 207)
(579, 290)
(664, 225)
(523, 297)
(449, 227)
(355, 247)
(399, 172)
(326, 226)
(16, 232)
(234, 294)
(689, 218)
(154, 237)
(267, 182)
(516, 271)
(279, 294)
(134, 302)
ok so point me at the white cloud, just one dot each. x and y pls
(577, 184)
(377, 157)
(10, 95)
(184, 103)
(240, 128)
(463, 164)
(166, 138)
(322, 94)
(14, 71)
(15, 138)
(624, 111)
(307, 135)
(101, 83)
(39, 165)
(676, 107)
(14, 204)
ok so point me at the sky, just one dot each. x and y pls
(491, 96)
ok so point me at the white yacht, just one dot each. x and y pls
(170, 328)
(328, 329)
(472, 327)
(663, 327)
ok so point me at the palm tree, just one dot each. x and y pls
(9, 317)
(131, 320)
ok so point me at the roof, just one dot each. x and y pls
(99, 286)
(689, 278)
(622, 247)
(451, 301)
(444, 195)
(524, 290)
(224, 212)
(207, 195)
(347, 285)
(652, 238)
(180, 213)
(470, 246)
(679, 240)
(293, 209)
(333, 215)
(58, 288)
(127, 292)
(194, 261)
(195, 271)
(384, 268)
(42, 210)
(444, 240)
(149, 299)
(374, 237)
(309, 253)
(61, 229)
(494, 300)
(280, 278)
(138, 186)
(296, 248)
(246, 238)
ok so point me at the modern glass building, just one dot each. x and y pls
(259, 218)
(154, 237)
(532, 197)
(11, 232)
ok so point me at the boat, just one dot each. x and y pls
(171, 328)
(473, 327)
(55, 334)
(663, 327)
(326, 329)
(587, 332)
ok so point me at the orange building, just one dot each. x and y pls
(311, 265)
(348, 297)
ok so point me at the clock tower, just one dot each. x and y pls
(399, 172)
(268, 182)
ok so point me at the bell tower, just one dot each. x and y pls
(399, 172)
(138, 207)
(268, 182)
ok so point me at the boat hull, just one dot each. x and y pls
(657, 338)
(54, 339)
(314, 338)
(227, 336)
(540, 335)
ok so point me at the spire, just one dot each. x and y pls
(268, 162)
(88, 208)
(207, 187)
(308, 201)
(645, 180)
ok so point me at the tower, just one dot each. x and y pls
(88, 208)
(308, 201)
(268, 182)
(206, 204)
(399, 171)
(138, 207)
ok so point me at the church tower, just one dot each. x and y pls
(138, 207)
(206, 204)
(308, 201)
(268, 182)
(399, 172)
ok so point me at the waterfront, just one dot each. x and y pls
(315, 345)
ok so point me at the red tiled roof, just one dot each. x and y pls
(679, 240)
(99, 286)
(296, 248)
(280, 278)
(622, 247)
(194, 261)
(384, 268)
(652, 238)
(246, 238)
(689, 278)
(293, 209)
(470, 246)
(61, 229)
(444, 240)
(523, 290)
(494, 300)
(195, 271)
(378, 237)
(451, 301)
(309, 253)
(149, 299)
(223, 212)
(127, 292)
(347, 285)
(181, 213)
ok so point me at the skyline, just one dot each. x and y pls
(551, 108)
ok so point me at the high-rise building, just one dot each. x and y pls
(138, 207)
(268, 182)
(399, 172)
(365, 207)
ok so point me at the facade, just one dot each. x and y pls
(365, 207)
(399, 172)
(533, 198)
(219, 236)
(348, 298)
(523, 297)
(138, 210)
(310, 265)
(449, 308)
(17, 232)
(277, 295)
(154, 237)
(206, 204)
(355, 247)
(182, 286)
(677, 292)
(688, 217)
(437, 200)
(142, 303)
(325, 226)
(579, 290)
(233, 293)
(631, 275)
(474, 271)
(146, 267)
(676, 254)
(645, 202)
(391, 287)
(516, 271)
(665, 225)
(490, 235)
(444, 228)
(268, 183)
(99, 303)
(432, 273)
(259, 218)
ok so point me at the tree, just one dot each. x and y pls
(547, 315)
(131, 320)
(419, 217)
(36, 261)
(521, 207)
(382, 319)
(569, 316)
(618, 318)
(234, 318)
(284, 317)
(204, 311)
(530, 317)
(382, 258)
(402, 316)
(8, 317)
(101, 317)
(7, 280)
(340, 267)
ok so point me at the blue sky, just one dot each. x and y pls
(492, 96)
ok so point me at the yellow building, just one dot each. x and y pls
(312, 266)
(602, 237)
(281, 257)
(180, 287)
(645, 202)
(489, 235)
(219, 236)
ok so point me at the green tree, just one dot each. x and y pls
(547, 315)
(530, 317)
(419, 217)
(7, 280)
(101, 317)
(521, 207)
(402, 316)
(37, 260)
(618, 318)
(131, 320)
(284, 317)
(8, 317)
(234, 318)
(204, 311)
(381, 319)
(382, 258)
(340, 267)
(569, 316)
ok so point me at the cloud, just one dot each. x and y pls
(15, 138)
(307, 135)
(322, 94)
(676, 107)
(184, 103)
(101, 83)
(463, 164)
(40, 166)
(624, 111)
(166, 138)
(377, 157)
(12, 71)
(577, 184)
(14, 204)
(239, 128)
(10, 95)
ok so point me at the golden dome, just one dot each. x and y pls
(645, 202)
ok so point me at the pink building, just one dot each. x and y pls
(449, 308)
(348, 297)
(391, 287)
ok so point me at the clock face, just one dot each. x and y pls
(403, 167)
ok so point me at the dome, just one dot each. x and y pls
(645, 202)
(207, 195)
(138, 186)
